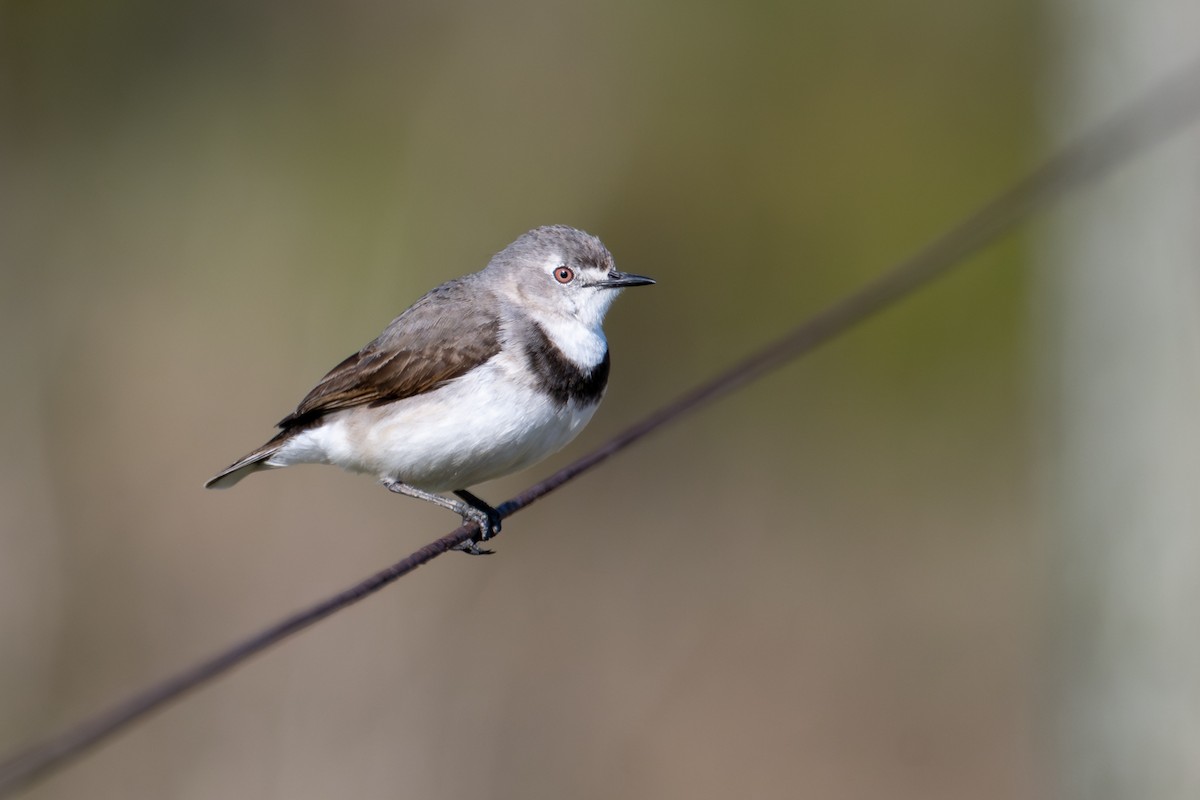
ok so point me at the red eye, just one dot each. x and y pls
(564, 275)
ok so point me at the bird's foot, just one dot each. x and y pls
(483, 515)
(469, 507)
(477, 510)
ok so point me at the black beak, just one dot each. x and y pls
(618, 280)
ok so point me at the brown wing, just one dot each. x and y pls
(442, 336)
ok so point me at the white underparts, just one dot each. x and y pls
(487, 423)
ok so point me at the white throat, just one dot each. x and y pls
(581, 342)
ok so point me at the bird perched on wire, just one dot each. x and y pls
(485, 375)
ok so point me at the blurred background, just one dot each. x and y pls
(849, 580)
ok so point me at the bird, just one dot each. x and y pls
(485, 375)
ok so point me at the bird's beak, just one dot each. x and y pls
(618, 280)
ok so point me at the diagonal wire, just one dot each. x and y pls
(1146, 121)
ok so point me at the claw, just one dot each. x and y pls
(492, 526)
(472, 548)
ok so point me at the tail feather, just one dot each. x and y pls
(239, 469)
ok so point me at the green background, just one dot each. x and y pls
(827, 585)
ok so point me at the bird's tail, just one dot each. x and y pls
(239, 469)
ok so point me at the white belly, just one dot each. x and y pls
(483, 425)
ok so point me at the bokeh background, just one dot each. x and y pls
(834, 584)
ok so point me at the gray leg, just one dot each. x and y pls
(466, 510)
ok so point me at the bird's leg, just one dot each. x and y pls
(467, 511)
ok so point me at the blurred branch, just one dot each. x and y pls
(1144, 122)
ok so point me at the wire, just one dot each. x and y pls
(1147, 120)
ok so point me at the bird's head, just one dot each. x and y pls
(557, 269)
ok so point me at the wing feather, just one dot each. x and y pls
(442, 336)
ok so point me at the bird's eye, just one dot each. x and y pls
(564, 274)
